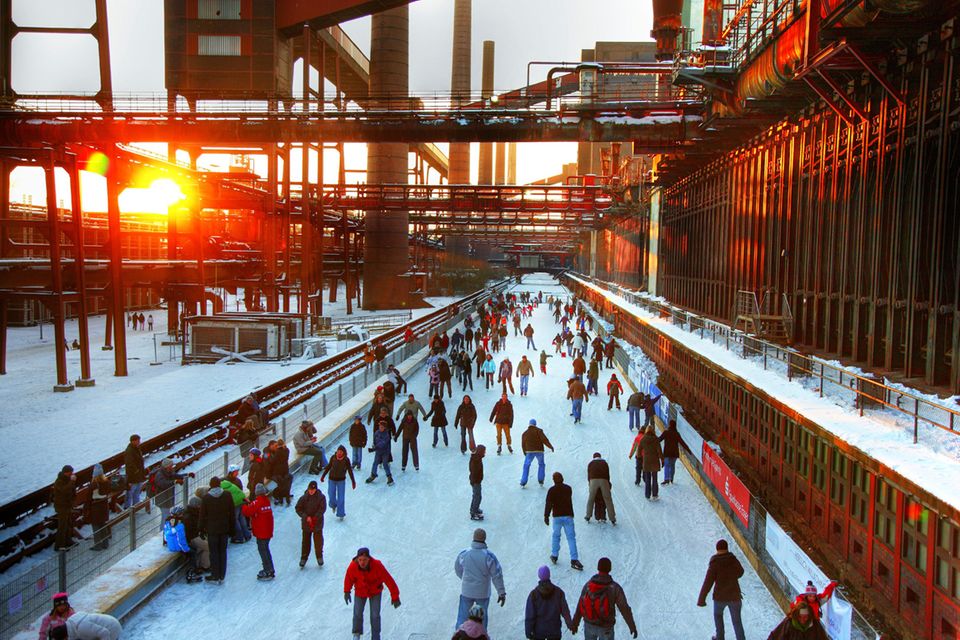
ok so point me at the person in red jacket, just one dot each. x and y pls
(814, 599)
(261, 522)
(367, 576)
(614, 389)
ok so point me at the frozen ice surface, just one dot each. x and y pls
(659, 549)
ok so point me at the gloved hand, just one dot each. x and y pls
(701, 603)
(396, 604)
(346, 597)
(546, 520)
(502, 600)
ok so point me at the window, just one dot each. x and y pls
(820, 450)
(218, 9)
(859, 493)
(884, 521)
(218, 45)
(947, 576)
(839, 470)
(915, 530)
(803, 452)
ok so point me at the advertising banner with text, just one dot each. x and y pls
(730, 486)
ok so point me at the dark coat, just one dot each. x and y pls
(217, 517)
(723, 574)
(338, 470)
(502, 413)
(191, 523)
(64, 493)
(534, 440)
(358, 435)
(476, 468)
(790, 629)
(280, 464)
(600, 583)
(409, 429)
(466, 416)
(443, 370)
(163, 481)
(598, 469)
(374, 414)
(439, 412)
(133, 464)
(652, 455)
(648, 406)
(635, 401)
(311, 507)
(559, 501)
(546, 609)
(671, 443)
(381, 440)
(256, 474)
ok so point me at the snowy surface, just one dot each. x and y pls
(659, 549)
(933, 465)
(42, 430)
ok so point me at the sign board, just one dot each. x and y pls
(730, 486)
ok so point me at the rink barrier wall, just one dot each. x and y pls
(750, 537)
(26, 598)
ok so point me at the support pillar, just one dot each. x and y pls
(386, 256)
(116, 276)
(86, 378)
(511, 163)
(500, 176)
(56, 303)
(459, 172)
(485, 174)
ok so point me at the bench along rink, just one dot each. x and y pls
(416, 528)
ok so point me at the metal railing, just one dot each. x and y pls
(863, 391)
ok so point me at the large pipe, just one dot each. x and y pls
(386, 255)
(666, 26)
(459, 172)
(485, 173)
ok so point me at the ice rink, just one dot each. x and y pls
(416, 528)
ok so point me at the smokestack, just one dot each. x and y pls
(485, 174)
(511, 163)
(666, 26)
(460, 86)
(501, 175)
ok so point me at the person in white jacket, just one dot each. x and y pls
(477, 567)
(88, 626)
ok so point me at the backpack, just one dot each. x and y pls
(152, 485)
(595, 606)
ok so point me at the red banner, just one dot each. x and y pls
(733, 491)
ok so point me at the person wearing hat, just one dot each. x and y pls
(136, 472)
(257, 472)
(800, 624)
(339, 468)
(310, 507)
(88, 626)
(546, 608)
(532, 442)
(164, 480)
(723, 574)
(598, 479)
(381, 453)
(233, 485)
(98, 507)
(472, 628)
(559, 503)
(366, 577)
(217, 519)
(614, 389)
(260, 513)
(816, 600)
(596, 606)
(477, 567)
(198, 543)
(64, 495)
(58, 615)
(305, 444)
(358, 440)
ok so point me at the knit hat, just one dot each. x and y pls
(261, 490)
(255, 452)
(167, 463)
(543, 573)
(234, 468)
(810, 590)
(475, 612)
(533, 422)
(363, 551)
(194, 502)
(604, 565)
(479, 535)
(312, 485)
(60, 598)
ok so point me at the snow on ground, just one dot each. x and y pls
(659, 549)
(934, 464)
(42, 430)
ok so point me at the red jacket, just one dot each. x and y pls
(261, 517)
(614, 388)
(821, 599)
(370, 582)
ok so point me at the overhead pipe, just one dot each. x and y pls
(601, 69)
(666, 27)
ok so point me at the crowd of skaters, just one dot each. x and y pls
(223, 514)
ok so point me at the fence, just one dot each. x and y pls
(27, 596)
(751, 520)
(862, 391)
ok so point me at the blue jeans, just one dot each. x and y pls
(243, 531)
(527, 461)
(357, 456)
(133, 495)
(263, 546)
(524, 382)
(335, 491)
(650, 483)
(436, 436)
(564, 523)
(718, 607)
(358, 605)
(635, 419)
(593, 632)
(466, 603)
(530, 344)
(669, 465)
(577, 408)
(591, 385)
(381, 458)
(475, 502)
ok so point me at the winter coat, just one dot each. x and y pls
(52, 620)
(593, 371)
(413, 407)
(559, 501)
(609, 348)
(380, 352)
(256, 475)
(98, 504)
(381, 440)
(648, 446)
(409, 429)
(370, 581)
(439, 412)
(791, 629)
(456, 339)
(311, 510)
(671, 443)
(444, 342)
(280, 464)
(528, 332)
(191, 522)
(235, 491)
(64, 493)
(133, 464)
(614, 388)
(374, 414)
(390, 390)
(502, 413)
(635, 401)
(93, 626)
(579, 366)
(163, 481)
(818, 602)
(339, 469)
(216, 513)
(534, 440)
(598, 469)
(602, 586)
(302, 441)
(488, 366)
(576, 391)
(466, 416)
(723, 574)
(480, 355)
(443, 369)
(506, 369)
(648, 406)
(471, 630)
(546, 609)
(358, 435)
(476, 468)
(261, 517)
(524, 368)
(477, 567)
